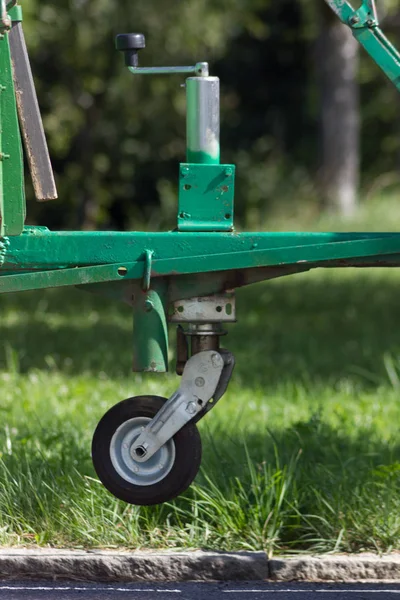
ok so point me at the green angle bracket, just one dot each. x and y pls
(206, 197)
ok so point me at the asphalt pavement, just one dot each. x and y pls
(34, 590)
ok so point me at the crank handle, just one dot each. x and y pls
(131, 43)
(199, 69)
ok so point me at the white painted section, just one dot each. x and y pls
(311, 591)
(42, 588)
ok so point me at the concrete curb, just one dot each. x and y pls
(166, 566)
(132, 566)
(336, 568)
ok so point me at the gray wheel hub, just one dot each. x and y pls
(144, 473)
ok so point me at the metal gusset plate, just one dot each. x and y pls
(30, 120)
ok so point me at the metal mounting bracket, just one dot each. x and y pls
(206, 197)
(218, 308)
(200, 382)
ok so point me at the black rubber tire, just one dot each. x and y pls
(187, 454)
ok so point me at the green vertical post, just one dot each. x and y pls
(1, 165)
(150, 329)
(12, 197)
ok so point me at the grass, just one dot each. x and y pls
(301, 454)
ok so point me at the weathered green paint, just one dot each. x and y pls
(206, 195)
(18, 282)
(4, 243)
(2, 227)
(365, 28)
(58, 255)
(382, 51)
(15, 14)
(12, 196)
(345, 11)
(150, 329)
(200, 158)
(39, 248)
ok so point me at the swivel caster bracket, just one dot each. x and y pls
(205, 377)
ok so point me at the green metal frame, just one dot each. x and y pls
(365, 27)
(12, 195)
(203, 256)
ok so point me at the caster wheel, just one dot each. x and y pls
(164, 476)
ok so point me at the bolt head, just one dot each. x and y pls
(200, 381)
(216, 360)
(191, 408)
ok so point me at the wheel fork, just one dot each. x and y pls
(205, 379)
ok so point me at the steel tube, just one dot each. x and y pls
(202, 128)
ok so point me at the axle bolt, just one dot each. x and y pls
(200, 381)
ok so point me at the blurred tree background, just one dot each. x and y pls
(291, 113)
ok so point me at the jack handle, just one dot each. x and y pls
(131, 43)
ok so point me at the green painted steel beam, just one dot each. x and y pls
(179, 254)
(39, 248)
(365, 28)
(382, 52)
(12, 194)
(20, 282)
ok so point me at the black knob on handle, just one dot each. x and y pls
(130, 44)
